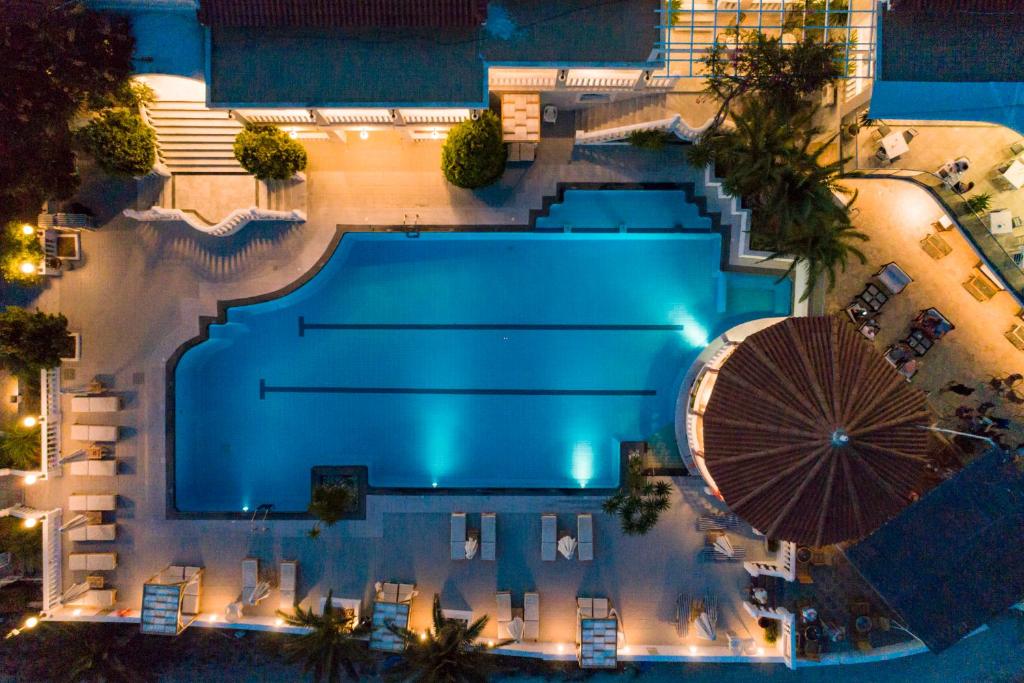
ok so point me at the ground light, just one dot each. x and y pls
(27, 229)
(293, 134)
(693, 649)
(31, 479)
(30, 522)
(279, 622)
(29, 421)
(30, 623)
(28, 268)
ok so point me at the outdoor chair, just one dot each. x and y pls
(93, 468)
(95, 433)
(488, 540)
(884, 130)
(504, 613)
(548, 533)
(253, 590)
(93, 562)
(935, 246)
(80, 502)
(95, 404)
(1017, 147)
(93, 532)
(585, 534)
(876, 135)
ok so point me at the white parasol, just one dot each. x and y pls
(517, 628)
(705, 629)
(724, 546)
(471, 546)
(567, 546)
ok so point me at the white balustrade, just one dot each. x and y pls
(782, 566)
(234, 222)
(52, 578)
(49, 432)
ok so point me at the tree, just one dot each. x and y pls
(20, 253)
(448, 653)
(25, 544)
(268, 153)
(640, 501)
(648, 139)
(331, 502)
(474, 154)
(20, 447)
(331, 644)
(30, 342)
(96, 653)
(757, 64)
(56, 55)
(120, 142)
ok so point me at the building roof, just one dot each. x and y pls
(811, 436)
(401, 66)
(952, 561)
(344, 13)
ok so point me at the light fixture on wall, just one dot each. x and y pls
(293, 133)
(364, 134)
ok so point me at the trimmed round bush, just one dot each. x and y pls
(120, 142)
(473, 154)
(268, 153)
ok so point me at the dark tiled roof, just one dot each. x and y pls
(958, 5)
(344, 13)
(952, 561)
(771, 426)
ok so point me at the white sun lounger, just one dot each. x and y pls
(95, 404)
(548, 542)
(458, 536)
(504, 616)
(102, 598)
(92, 561)
(488, 535)
(250, 581)
(585, 537)
(286, 584)
(531, 616)
(100, 433)
(93, 532)
(80, 502)
(93, 468)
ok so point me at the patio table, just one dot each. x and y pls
(1015, 174)
(1000, 222)
(895, 145)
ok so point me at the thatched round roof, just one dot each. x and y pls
(811, 436)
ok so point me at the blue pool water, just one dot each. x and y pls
(626, 210)
(466, 360)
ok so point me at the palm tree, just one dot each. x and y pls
(641, 501)
(449, 653)
(330, 645)
(92, 653)
(19, 448)
(330, 504)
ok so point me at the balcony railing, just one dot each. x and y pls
(49, 433)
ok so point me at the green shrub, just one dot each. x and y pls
(331, 502)
(474, 155)
(771, 631)
(979, 203)
(268, 153)
(647, 139)
(16, 249)
(30, 342)
(20, 447)
(120, 142)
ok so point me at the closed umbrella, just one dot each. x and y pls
(724, 546)
(567, 546)
(471, 547)
(517, 628)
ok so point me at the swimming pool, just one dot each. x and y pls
(455, 360)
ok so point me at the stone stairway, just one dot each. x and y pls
(194, 140)
(623, 113)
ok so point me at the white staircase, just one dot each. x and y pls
(192, 139)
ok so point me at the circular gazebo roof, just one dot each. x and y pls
(811, 436)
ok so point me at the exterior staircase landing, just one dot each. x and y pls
(192, 139)
(629, 112)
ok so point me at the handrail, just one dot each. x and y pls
(52, 580)
(235, 221)
(49, 432)
(674, 125)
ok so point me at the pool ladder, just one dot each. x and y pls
(265, 508)
(411, 230)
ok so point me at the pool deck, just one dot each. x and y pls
(139, 293)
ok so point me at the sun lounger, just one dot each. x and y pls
(531, 616)
(93, 468)
(463, 616)
(504, 613)
(100, 433)
(488, 536)
(288, 576)
(458, 536)
(935, 246)
(900, 357)
(79, 502)
(593, 608)
(548, 541)
(92, 562)
(348, 606)
(585, 537)
(725, 521)
(102, 598)
(253, 590)
(93, 532)
(95, 404)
